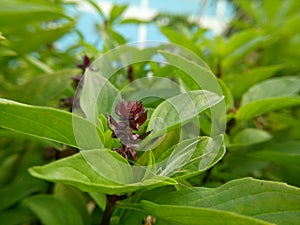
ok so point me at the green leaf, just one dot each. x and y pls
(43, 122)
(179, 110)
(274, 202)
(189, 157)
(147, 87)
(115, 37)
(283, 120)
(42, 89)
(104, 161)
(16, 216)
(19, 183)
(229, 100)
(263, 106)
(40, 37)
(240, 44)
(78, 172)
(272, 88)
(2, 37)
(152, 167)
(194, 216)
(285, 153)
(36, 63)
(250, 136)
(254, 10)
(99, 198)
(181, 40)
(19, 189)
(116, 12)
(269, 95)
(6, 52)
(97, 96)
(76, 198)
(23, 12)
(53, 211)
(97, 8)
(169, 140)
(205, 79)
(133, 21)
(209, 152)
(242, 83)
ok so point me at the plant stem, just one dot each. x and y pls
(110, 207)
(219, 70)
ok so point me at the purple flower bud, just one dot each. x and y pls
(133, 112)
(131, 116)
(85, 64)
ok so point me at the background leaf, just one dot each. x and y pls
(76, 198)
(19, 11)
(116, 12)
(39, 37)
(53, 211)
(19, 189)
(18, 184)
(242, 82)
(250, 136)
(42, 89)
(240, 44)
(16, 216)
(263, 106)
(285, 153)
(272, 88)
(181, 40)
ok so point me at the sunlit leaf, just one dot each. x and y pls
(43, 122)
(116, 12)
(1, 37)
(79, 172)
(180, 109)
(22, 12)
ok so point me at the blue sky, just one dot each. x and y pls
(88, 19)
